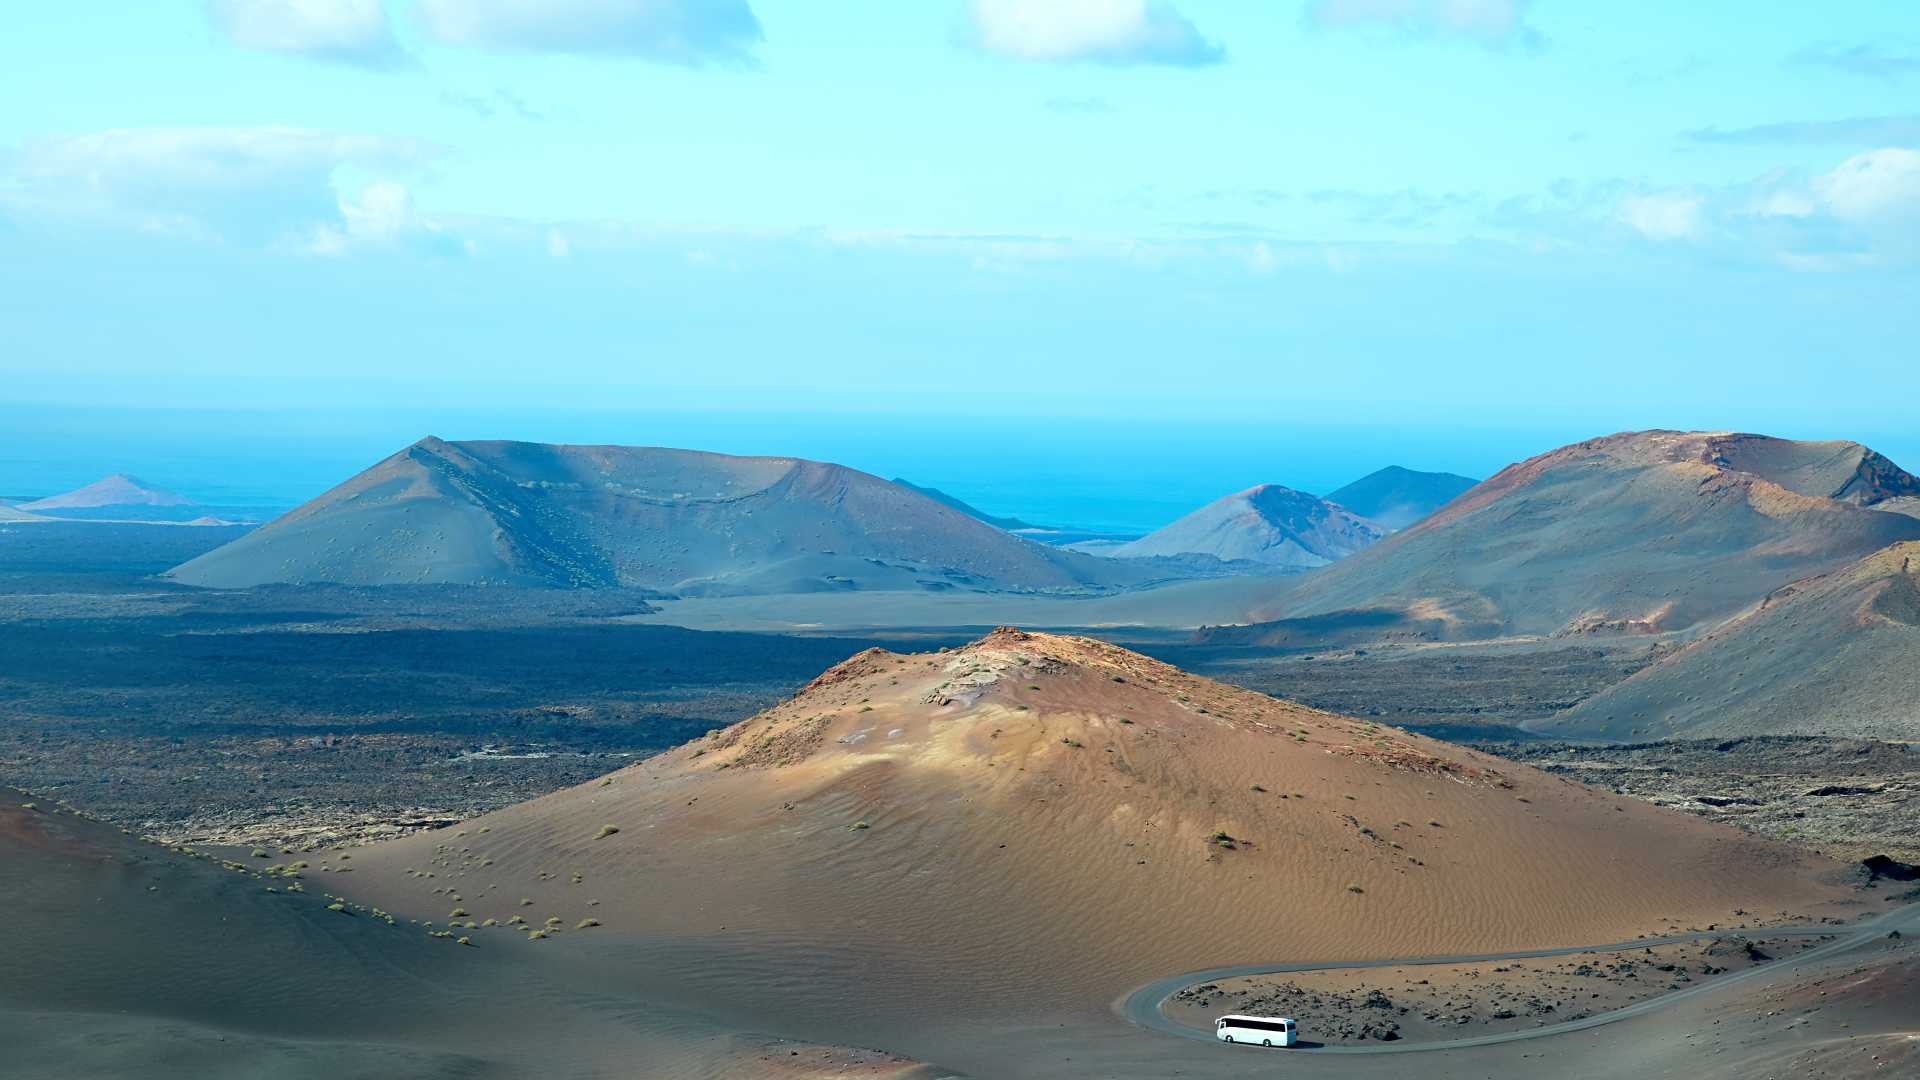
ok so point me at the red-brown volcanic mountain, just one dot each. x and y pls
(1646, 531)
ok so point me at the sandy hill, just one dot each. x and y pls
(1267, 524)
(1837, 654)
(1031, 821)
(1644, 531)
(125, 958)
(618, 516)
(1396, 497)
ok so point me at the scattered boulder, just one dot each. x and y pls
(1885, 866)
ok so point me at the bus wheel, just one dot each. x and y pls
(1229, 1038)
(1268, 1043)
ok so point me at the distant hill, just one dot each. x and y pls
(1637, 532)
(944, 499)
(1395, 498)
(678, 521)
(1837, 654)
(116, 490)
(1268, 524)
(119, 497)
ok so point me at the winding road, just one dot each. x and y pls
(1143, 1006)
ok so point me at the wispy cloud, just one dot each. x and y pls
(692, 33)
(1077, 105)
(1864, 211)
(1495, 23)
(1874, 61)
(1901, 130)
(1667, 215)
(248, 185)
(1096, 31)
(489, 105)
(352, 32)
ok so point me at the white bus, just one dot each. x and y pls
(1259, 1030)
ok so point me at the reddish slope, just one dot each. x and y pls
(1833, 655)
(1644, 531)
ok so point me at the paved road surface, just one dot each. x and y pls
(1143, 1005)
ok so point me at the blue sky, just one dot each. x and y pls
(1462, 216)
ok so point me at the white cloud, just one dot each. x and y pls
(1103, 31)
(244, 184)
(1664, 215)
(1874, 187)
(384, 212)
(353, 32)
(1864, 211)
(689, 32)
(1491, 22)
(382, 217)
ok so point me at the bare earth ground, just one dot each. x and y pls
(184, 969)
(1436, 1002)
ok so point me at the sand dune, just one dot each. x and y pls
(1837, 655)
(1043, 822)
(125, 958)
(613, 516)
(184, 953)
(1268, 524)
(1395, 497)
(1634, 533)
